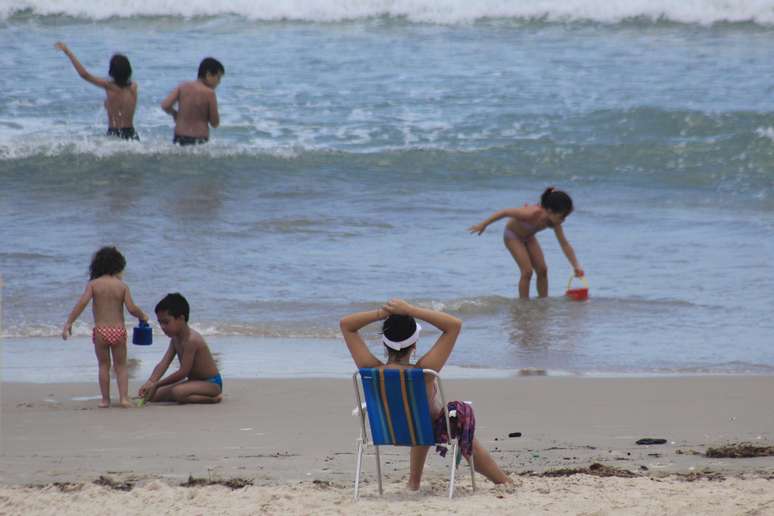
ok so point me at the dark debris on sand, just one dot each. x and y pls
(232, 483)
(699, 475)
(324, 484)
(112, 484)
(740, 451)
(596, 469)
(65, 487)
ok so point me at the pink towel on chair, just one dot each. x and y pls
(463, 426)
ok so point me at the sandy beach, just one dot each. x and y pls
(378, 149)
(285, 446)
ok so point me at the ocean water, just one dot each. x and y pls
(358, 142)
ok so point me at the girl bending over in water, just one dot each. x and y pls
(519, 237)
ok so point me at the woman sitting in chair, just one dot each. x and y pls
(400, 333)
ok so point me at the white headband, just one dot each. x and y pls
(398, 345)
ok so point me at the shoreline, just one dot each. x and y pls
(50, 360)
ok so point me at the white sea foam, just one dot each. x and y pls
(765, 132)
(99, 147)
(702, 12)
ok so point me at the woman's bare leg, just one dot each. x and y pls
(416, 466)
(485, 464)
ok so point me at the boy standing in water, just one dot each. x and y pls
(197, 380)
(121, 93)
(197, 105)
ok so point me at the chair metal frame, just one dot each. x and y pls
(365, 440)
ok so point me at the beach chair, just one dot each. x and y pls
(399, 415)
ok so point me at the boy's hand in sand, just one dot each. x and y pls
(478, 228)
(147, 391)
(397, 307)
(579, 273)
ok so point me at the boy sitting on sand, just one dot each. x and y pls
(197, 380)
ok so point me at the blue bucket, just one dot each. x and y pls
(143, 334)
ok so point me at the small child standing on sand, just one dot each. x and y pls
(108, 294)
(121, 93)
(198, 379)
(197, 105)
(519, 237)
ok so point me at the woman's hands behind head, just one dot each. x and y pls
(397, 306)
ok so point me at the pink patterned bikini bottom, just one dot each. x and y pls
(111, 335)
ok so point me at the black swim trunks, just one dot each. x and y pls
(188, 140)
(125, 133)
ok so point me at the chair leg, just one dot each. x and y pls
(379, 469)
(358, 466)
(453, 476)
(472, 471)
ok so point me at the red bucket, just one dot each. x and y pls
(578, 294)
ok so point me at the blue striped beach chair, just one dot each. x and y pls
(399, 415)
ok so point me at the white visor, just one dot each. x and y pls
(403, 344)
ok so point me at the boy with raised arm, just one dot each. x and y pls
(197, 105)
(197, 380)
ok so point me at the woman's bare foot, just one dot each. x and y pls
(126, 404)
(104, 404)
(507, 487)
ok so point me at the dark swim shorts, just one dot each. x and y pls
(125, 133)
(188, 140)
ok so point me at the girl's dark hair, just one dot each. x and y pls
(556, 201)
(397, 328)
(175, 305)
(120, 70)
(107, 260)
(210, 65)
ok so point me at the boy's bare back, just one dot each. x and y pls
(197, 109)
(203, 366)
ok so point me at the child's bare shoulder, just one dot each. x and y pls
(118, 283)
(533, 212)
(195, 339)
(532, 209)
(108, 282)
(525, 212)
(188, 85)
